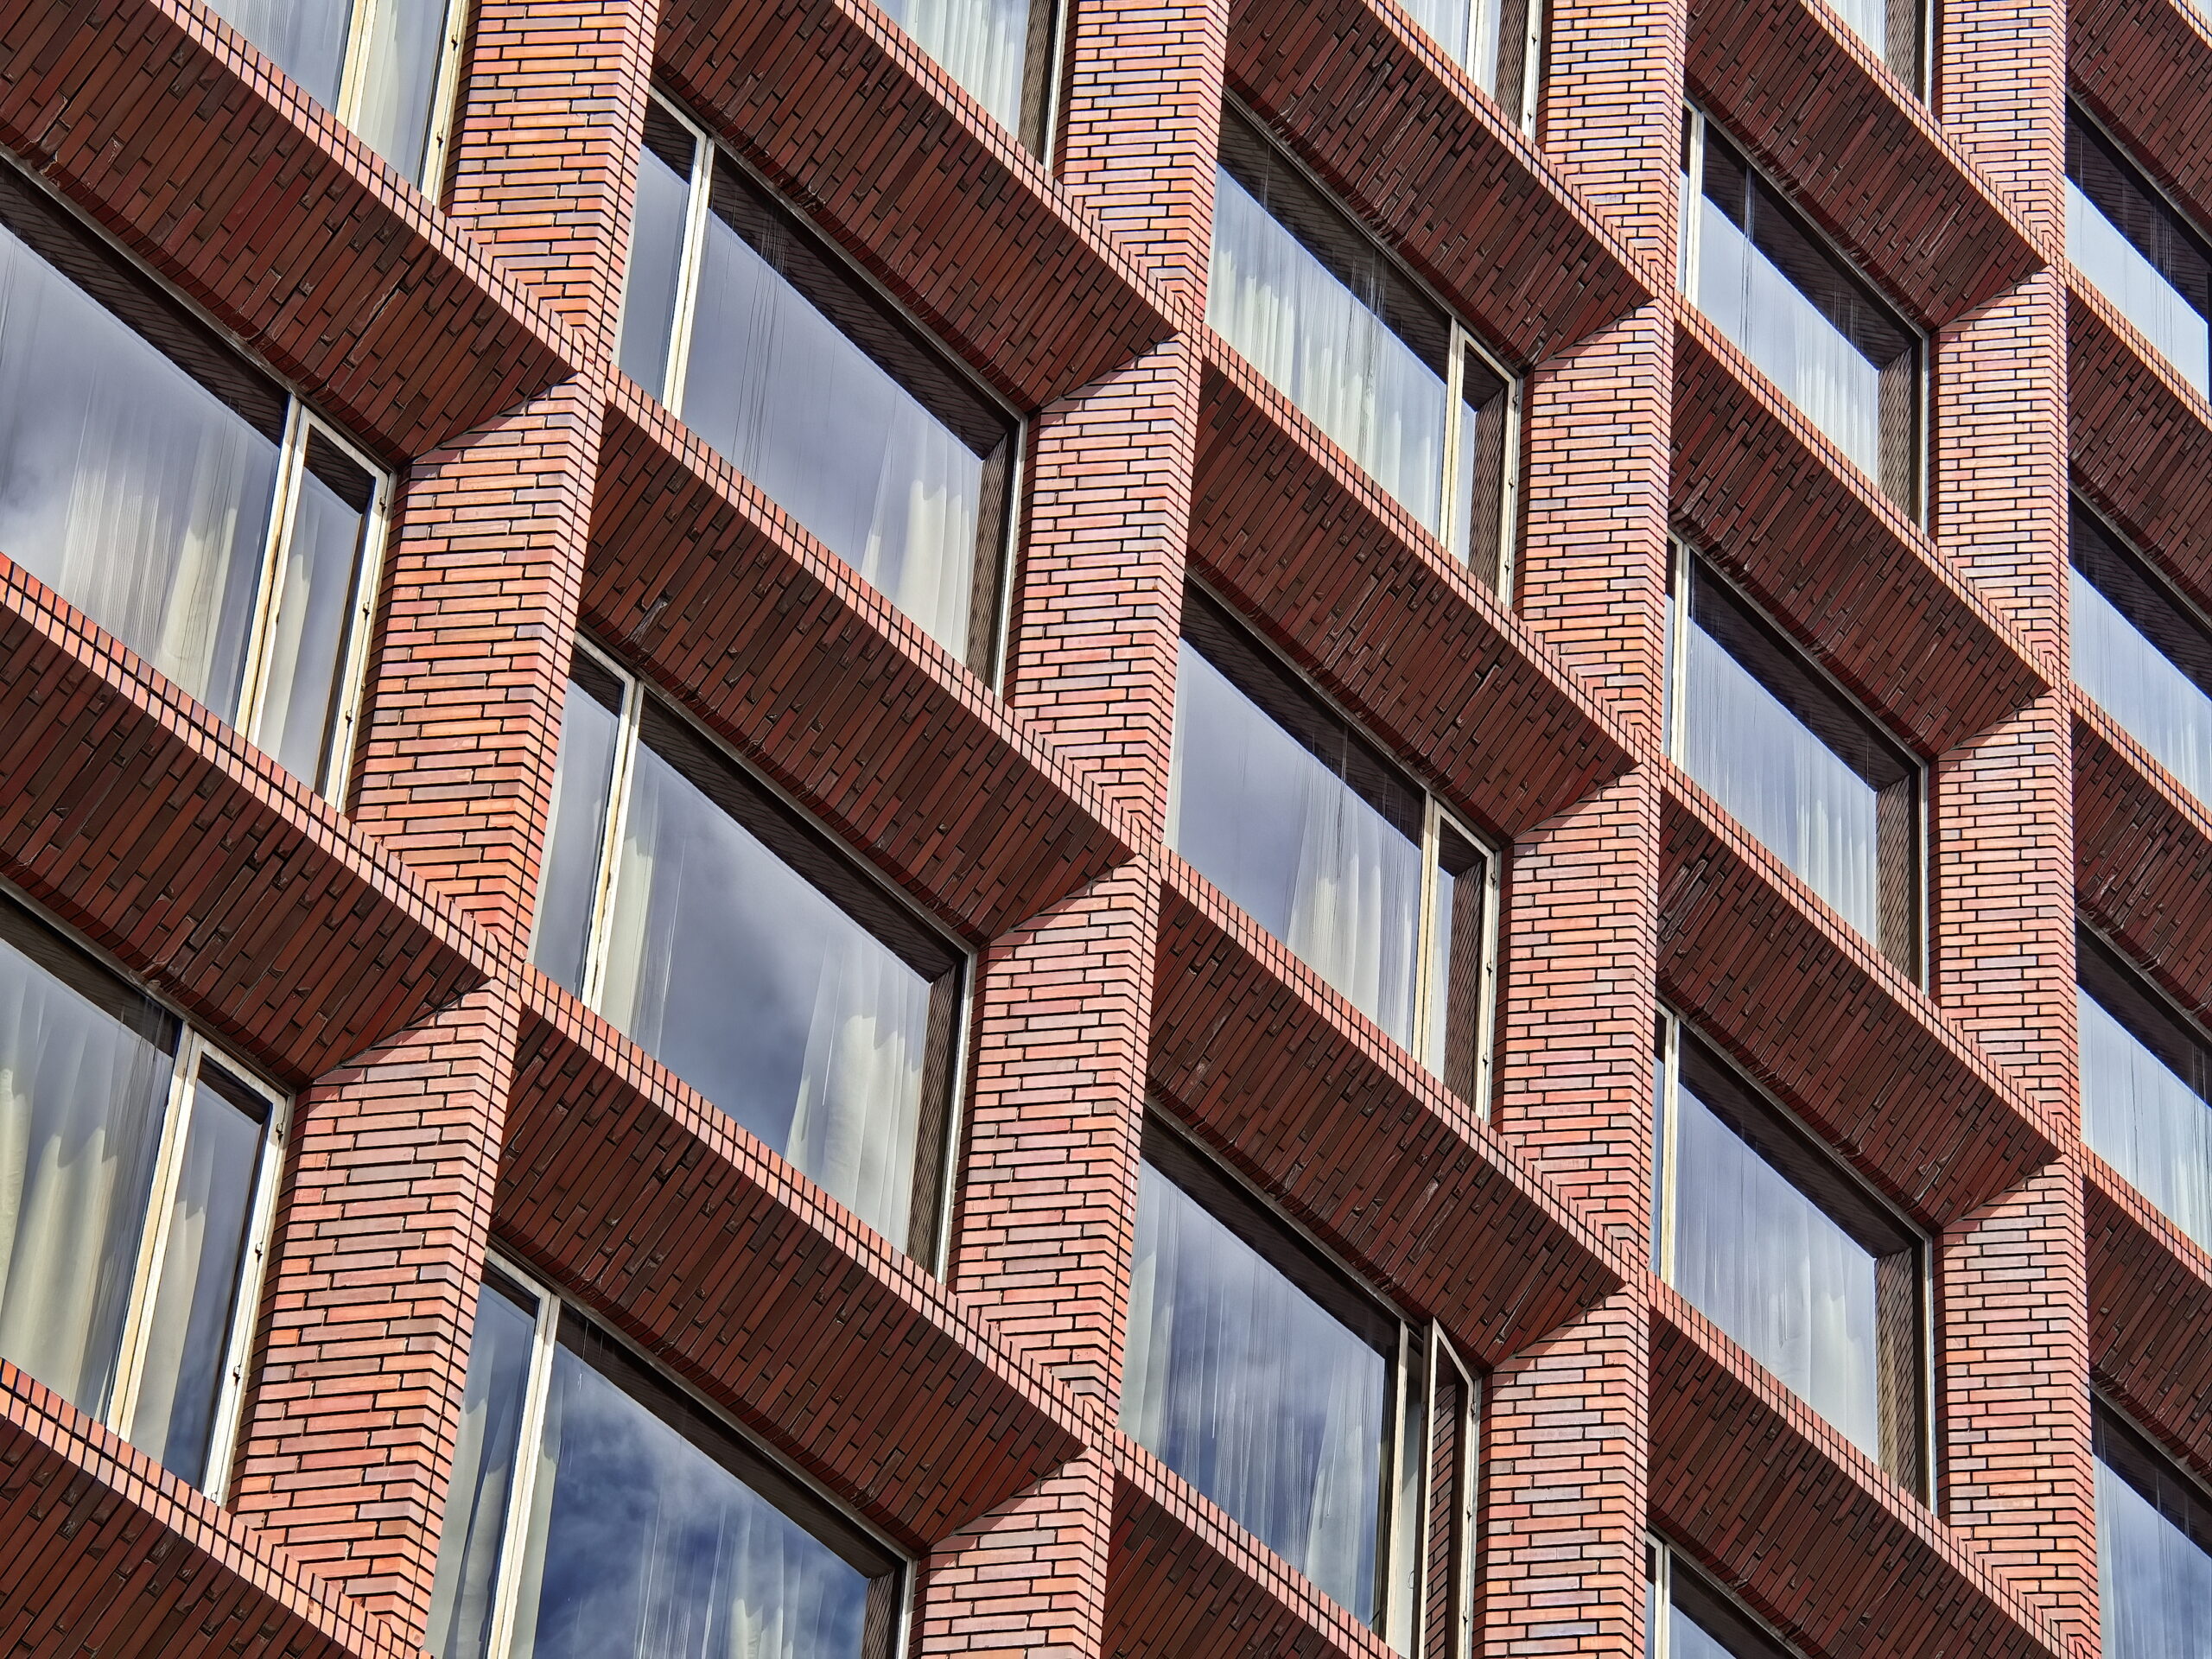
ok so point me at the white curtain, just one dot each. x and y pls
(643, 1546)
(307, 634)
(1769, 1267)
(2138, 686)
(860, 1094)
(1325, 350)
(2154, 1582)
(1261, 816)
(399, 83)
(832, 437)
(2101, 251)
(124, 483)
(305, 38)
(2145, 1122)
(1790, 790)
(983, 45)
(474, 1535)
(1869, 20)
(81, 1099)
(1811, 360)
(1254, 1394)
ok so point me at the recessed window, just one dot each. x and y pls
(1892, 28)
(387, 68)
(1276, 800)
(2154, 1548)
(1002, 52)
(2147, 1089)
(596, 1511)
(179, 497)
(1339, 1434)
(137, 1163)
(1800, 766)
(698, 912)
(1686, 1617)
(1805, 318)
(1392, 377)
(2137, 251)
(1501, 43)
(817, 388)
(2143, 653)
(1771, 1239)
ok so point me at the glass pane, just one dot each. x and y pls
(1869, 20)
(2140, 254)
(474, 1537)
(656, 251)
(1789, 789)
(307, 636)
(1327, 348)
(85, 1068)
(1450, 23)
(399, 82)
(583, 781)
(642, 1544)
(1250, 1389)
(1772, 1269)
(817, 422)
(2154, 1579)
(306, 38)
(2135, 286)
(128, 486)
(1688, 1639)
(2133, 681)
(1281, 833)
(751, 983)
(2146, 1121)
(188, 1327)
(982, 44)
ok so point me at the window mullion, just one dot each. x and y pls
(1457, 538)
(1693, 195)
(1427, 1041)
(445, 87)
(153, 1235)
(368, 579)
(687, 266)
(611, 833)
(1670, 1129)
(356, 69)
(529, 1433)
(261, 1224)
(253, 687)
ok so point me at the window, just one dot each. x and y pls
(1805, 318)
(137, 1163)
(774, 351)
(1339, 1434)
(1771, 1239)
(179, 498)
(2127, 239)
(2154, 1548)
(1399, 384)
(387, 68)
(1799, 765)
(2143, 653)
(1501, 43)
(596, 1510)
(699, 913)
(2147, 1089)
(1686, 1617)
(1002, 52)
(1892, 29)
(1277, 801)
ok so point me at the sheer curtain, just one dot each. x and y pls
(473, 1536)
(1769, 1267)
(643, 1545)
(832, 437)
(983, 45)
(126, 485)
(2137, 685)
(860, 1092)
(1789, 789)
(1813, 362)
(399, 81)
(1329, 354)
(2154, 1582)
(1869, 20)
(81, 1101)
(1251, 1391)
(307, 634)
(2119, 270)
(305, 38)
(2145, 1122)
(1261, 816)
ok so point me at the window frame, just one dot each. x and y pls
(1901, 839)
(952, 1017)
(785, 1489)
(193, 1049)
(1902, 475)
(2116, 552)
(1905, 1255)
(445, 86)
(1742, 1633)
(1496, 566)
(1005, 470)
(2111, 1425)
(158, 308)
(1467, 1074)
(2197, 238)
(1418, 1353)
(2115, 968)
(1527, 88)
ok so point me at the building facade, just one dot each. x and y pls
(980, 827)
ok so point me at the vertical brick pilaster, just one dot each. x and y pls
(347, 1439)
(485, 571)
(1611, 118)
(1027, 1581)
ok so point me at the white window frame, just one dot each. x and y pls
(445, 84)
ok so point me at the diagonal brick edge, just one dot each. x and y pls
(2150, 1306)
(2143, 65)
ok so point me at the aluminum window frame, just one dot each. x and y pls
(445, 86)
(929, 1227)
(194, 1048)
(1743, 1633)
